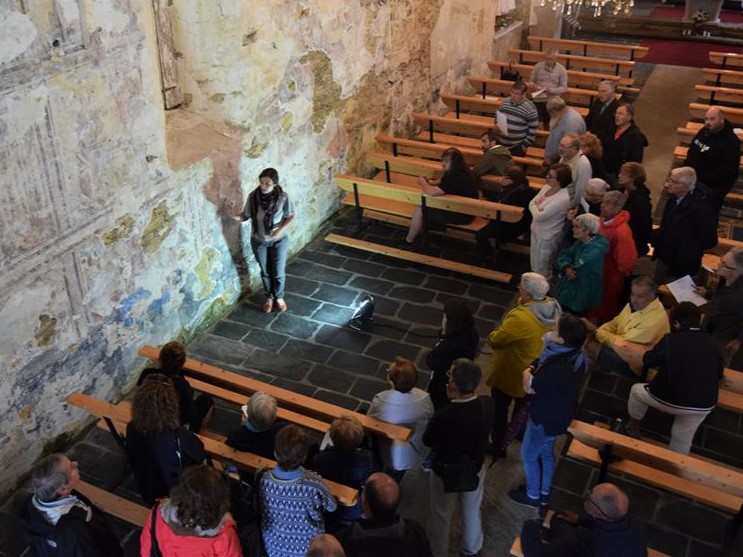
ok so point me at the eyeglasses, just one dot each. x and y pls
(724, 265)
(678, 182)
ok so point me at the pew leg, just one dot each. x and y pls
(731, 531)
(606, 459)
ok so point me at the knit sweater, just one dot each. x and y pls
(523, 122)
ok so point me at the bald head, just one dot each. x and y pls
(607, 502)
(325, 545)
(714, 119)
(381, 496)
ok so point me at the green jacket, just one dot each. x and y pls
(587, 259)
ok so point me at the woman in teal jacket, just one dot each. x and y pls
(579, 286)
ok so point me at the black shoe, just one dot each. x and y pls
(520, 497)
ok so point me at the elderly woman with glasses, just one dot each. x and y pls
(582, 267)
(548, 210)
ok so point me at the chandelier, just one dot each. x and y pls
(571, 9)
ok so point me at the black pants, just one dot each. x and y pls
(500, 418)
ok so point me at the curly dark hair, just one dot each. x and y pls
(155, 407)
(201, 498)
(172, 357)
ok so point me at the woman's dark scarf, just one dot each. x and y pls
(269, 203)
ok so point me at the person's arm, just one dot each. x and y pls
(430, 187)
(634, 147)
(552, 208)
(562, 82)
(566, 257)
(607, 332)
(508, 332)
(532, 122)
(656, 355)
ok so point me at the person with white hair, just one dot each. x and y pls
(687, 228)
(258, 426)
(601, 114)
(579, 285)
(516, 342)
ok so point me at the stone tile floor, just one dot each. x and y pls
(311, 350)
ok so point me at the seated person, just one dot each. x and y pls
(195, 520)
(345, 461)
(193, 413)
(514, 191)
(495, 159)
(59, 517)
(383, 531)
(619, 344)
(403, 404)
(258, 426)
(606, 530)
(293, 499)
(158, 447)
(688, 378)
(456, 180)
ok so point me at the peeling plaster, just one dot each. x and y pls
(45, 333)
(326, 97)
(122, 231)
(23, 112)
(159, 228)
(18, 34)
(203, 270)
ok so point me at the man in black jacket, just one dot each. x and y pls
(601, 114)
(715, 154)
(460, 429)
(687, 228)
(607, 529)
(687, 382)
(60, 521)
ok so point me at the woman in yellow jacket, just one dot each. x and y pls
(516, 343)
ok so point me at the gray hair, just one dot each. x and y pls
(574, 139)
(588, 222)
(686, 175)
(597, 186)
(647, 281)
(616, 197)
(608, 83)
(555, 104)
(47, 477)
(736, 254)
(535, 285)
(262, 410)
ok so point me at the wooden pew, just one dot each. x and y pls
(245, 386)
(572, 96)
(715, 95)
(710, 483)
(579, 80)
(587, 48)
(720, 77)
(687, 133)
(114, 505)
(727, 59)
(121, 414)
(516, 550)
(698, 110)
(572, 61)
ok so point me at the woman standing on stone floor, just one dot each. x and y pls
(270, 210)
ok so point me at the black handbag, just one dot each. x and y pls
(509, 74)
(459, 472)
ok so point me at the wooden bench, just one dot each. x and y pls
(715, 95)
(698, 110)
(720, 77)
(727, 59)
(516, 550)
(305, 405)
(114, 505)
(572, 96)
(587, 48)
(687, 133)
(118, 416)
(573, 61)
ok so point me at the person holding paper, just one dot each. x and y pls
(548, 79)
(687, 382)
(521, 120)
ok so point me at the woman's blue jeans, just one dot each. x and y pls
(538, 456)
(271, 258)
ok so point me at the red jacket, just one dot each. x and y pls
(224, 544)
(618, 263)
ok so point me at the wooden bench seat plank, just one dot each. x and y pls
(712, 94)
(304, 404)
(727, 59)
(121, 414)
(732, 380)
(587, 48)
(683, 466)
(728, 78)
(658, 478)
(577, 79)
(698, 110)
(572, 61)
(573, 96)
(415, 257)
(114, 505)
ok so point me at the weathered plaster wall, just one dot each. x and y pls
(109, 238)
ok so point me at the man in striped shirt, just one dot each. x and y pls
(522, 120)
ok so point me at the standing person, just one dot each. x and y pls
(688, 378)
(158, 447)
(403, 404)
(622, 255)
(622, 141)
(639, 206)
(553, 381)
(522, 119)
(456, 180)
(293, 499)
(459, 339)
(601, 114)
(548, 80)
(581, 267)
(458, 433)
(715, 154)
(563, 120)
(195, 520)
(271, 211)
(516, 342)
(580, 166)
(687, 227)
(195, 413)
(548, 210)
(495, 157)
(590, 146)
(57, 516)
